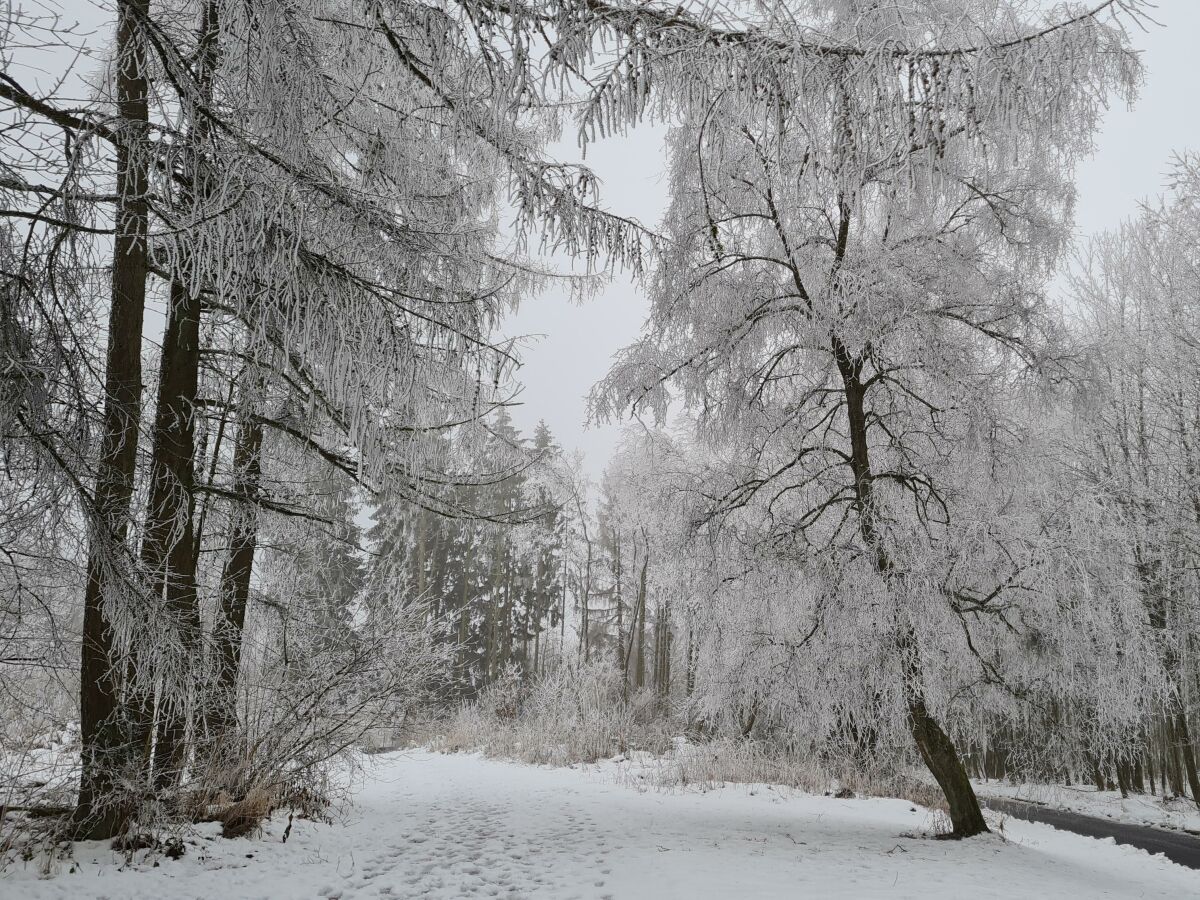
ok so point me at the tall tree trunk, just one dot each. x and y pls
(622, 657)
(215, 456)
(1157, 603)
(640, 672)
(586, 637)
(491, 635)
(693, 652)
(667, 640)
(657, 672)
(508, 621)
(440, 599)
(1187, 753)
(234, 590)
(168, 546)
(936, 748)
(464, 618)
(562, 614)
(100, 811)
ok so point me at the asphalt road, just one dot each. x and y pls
(1179, 847)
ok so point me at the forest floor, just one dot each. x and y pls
(430, 825)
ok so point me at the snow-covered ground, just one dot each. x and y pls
(1178, 814)
(430, 825)
(42, 772)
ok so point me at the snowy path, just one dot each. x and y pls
(427, 825)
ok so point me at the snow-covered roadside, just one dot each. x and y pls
(431, 825)
(1179, 814)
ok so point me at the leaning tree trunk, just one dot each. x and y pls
(101, 811)
(937, 750)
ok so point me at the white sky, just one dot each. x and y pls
(576, 343)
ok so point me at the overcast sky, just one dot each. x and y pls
(576, 343)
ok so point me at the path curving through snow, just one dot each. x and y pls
(451, 826)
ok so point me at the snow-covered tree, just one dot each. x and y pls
(312, 189)
(1137, 444)
(865, 202)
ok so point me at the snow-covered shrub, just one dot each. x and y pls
(310, 703)
(574, 713)
(502, 698)
(726, 760)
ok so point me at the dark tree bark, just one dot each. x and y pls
(101, 811)
(667, 641)
(235, 578)
(1155, 593)
(172, 504)
(942, 759)
(1187, 754)
(640, 671)
(169, 551)
(936, 749)
(464, 621)
(168, 546)
(689, 673)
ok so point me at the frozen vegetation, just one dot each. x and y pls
(907, 502)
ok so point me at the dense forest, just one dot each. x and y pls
(909, 483)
